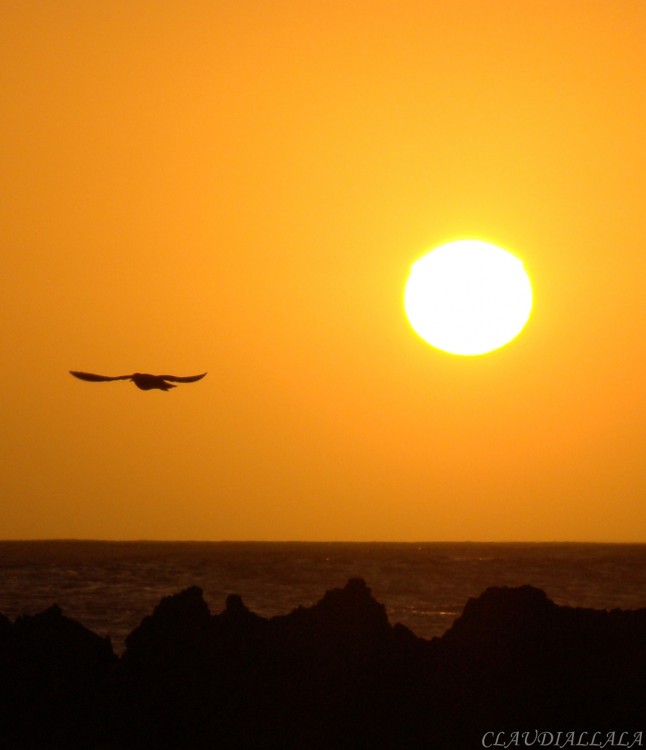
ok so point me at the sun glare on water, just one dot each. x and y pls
(468, 297)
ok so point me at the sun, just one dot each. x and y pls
(468, 297)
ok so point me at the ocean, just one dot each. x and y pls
(110, 586)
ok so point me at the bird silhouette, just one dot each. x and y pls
(141, 379)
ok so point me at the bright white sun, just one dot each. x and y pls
(468, 297)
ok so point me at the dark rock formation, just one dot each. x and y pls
(516, 659)
(54, 682)
(335, 676)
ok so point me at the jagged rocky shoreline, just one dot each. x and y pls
(334, 676)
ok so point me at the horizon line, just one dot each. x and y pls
(144, 540)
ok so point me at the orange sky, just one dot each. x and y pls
(242, 187)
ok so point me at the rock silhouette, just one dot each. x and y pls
(54, 682)
(334, 676)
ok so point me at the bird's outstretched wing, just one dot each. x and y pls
(97, 378)
(185, 379)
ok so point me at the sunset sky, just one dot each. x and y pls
(242, 187)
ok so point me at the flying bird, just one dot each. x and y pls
(141, 379)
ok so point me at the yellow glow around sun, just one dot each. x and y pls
(468, 297)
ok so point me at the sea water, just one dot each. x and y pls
(110, 586)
